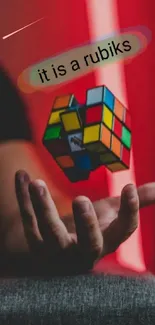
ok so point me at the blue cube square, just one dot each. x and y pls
(108, 99)
(83, 161)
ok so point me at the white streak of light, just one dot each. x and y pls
(19, 30)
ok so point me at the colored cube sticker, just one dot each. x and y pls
(55, 117)
(65, 161)
(81, 138)
(64, 101)
(126, 137)
(83, 161)
(71, 121)
(119, 110)
(108, 158)
(100, 95)
(107, 117)
(117, 127)
(53, 132)
(94, 114)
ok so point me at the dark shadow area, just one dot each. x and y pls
(13, 121)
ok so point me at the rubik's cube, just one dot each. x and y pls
(82, 138)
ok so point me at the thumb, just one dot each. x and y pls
(127, 220)
(128, 213)
(129, 206)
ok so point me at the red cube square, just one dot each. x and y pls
(126, 156)
(94, 114)
(127, 119)
(117, 127)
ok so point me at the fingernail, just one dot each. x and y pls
(23, 178)
(128, 191)
(82, 207)
(36, 189)
(41, 190)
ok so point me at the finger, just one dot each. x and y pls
(51, 227)
(146, 194)
(129, 209)
(87, 227)
(31, 230)
(126, 222)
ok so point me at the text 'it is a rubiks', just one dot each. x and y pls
(82, 138)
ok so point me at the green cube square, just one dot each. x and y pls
(126, 137)
(53, 132)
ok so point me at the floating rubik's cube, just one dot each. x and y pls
(83, 137)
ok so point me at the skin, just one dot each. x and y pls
(73, 244)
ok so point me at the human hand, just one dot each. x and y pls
(73, 245)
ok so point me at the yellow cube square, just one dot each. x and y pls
(91, 134)
(107, 117)
(71, 121)
(55, 116)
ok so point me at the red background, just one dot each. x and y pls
(66, 26)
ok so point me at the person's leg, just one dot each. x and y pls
(80, 300)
